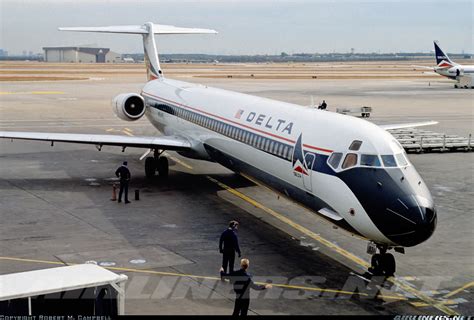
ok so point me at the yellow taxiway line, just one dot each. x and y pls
(464, 287)
(184, 275)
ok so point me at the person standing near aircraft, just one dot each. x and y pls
(124, 174)
(242, 282)
(323, 105)
(229, 245)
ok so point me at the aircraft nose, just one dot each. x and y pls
(417, 216)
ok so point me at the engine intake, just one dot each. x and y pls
(129, 106)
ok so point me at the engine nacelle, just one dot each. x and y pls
(128, 106)
(456, 71)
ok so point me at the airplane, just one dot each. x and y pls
(447, 68)
(347, 170)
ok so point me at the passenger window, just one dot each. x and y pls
(369, 160)
(350, 161)
(290, 153)
(401, 160)
(335, 159)
(355, 145)
(389, 161)
(280, 150)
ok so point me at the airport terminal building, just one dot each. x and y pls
(80, 54)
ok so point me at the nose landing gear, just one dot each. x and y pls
(382, 263)
(156, 163)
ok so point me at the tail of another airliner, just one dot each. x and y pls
(442, 59)
(148, 30)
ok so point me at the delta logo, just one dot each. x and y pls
(299, 164)
(445, 64)
(265, 121)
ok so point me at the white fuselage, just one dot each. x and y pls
(285, 146)
(456, 71)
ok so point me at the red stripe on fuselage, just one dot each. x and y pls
(239, 124)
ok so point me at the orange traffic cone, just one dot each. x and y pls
(114, 192)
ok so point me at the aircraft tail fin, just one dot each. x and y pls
(442, 59)
(147, 30)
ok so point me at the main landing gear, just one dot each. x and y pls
(382, 263)
(156, 163)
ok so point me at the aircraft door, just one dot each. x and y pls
(309, 160)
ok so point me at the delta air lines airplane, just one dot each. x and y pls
(347, 170)
(450, 69)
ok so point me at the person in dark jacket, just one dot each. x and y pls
(323, 105)
(229, 245)
(124, 174)
(242, 282)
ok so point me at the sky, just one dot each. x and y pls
(246, 26)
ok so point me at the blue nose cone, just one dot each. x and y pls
(396, 200)
(415, 218)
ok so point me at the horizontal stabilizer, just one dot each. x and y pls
(424, 67)
(140, 29)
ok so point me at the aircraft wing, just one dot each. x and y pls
(424, 67)
(160, 142)
(407, 125)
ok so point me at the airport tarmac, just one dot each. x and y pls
(56, 210)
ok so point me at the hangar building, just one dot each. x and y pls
(80, 54)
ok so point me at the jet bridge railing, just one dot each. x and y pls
(419, 141)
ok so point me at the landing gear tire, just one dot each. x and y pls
(150, 167)
(383, 264)
(388, 262)
(163, 167)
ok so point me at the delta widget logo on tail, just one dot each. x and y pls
(445, 64)
(299, 164)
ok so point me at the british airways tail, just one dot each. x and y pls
(442, 59)
(147, 30)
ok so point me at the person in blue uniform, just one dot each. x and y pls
(124, 174)
(229, 245)
(242, 282)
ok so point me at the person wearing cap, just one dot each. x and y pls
(124, 174)
(229, 245)
(242, 282)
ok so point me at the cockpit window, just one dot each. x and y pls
(369, 160)
(389, 160)
(350, 161)
(355, 145)
(401, 160)
(335, 159)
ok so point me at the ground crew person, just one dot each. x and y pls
(124, 174)
(323, 105)
(229, 245)
(242, 282)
